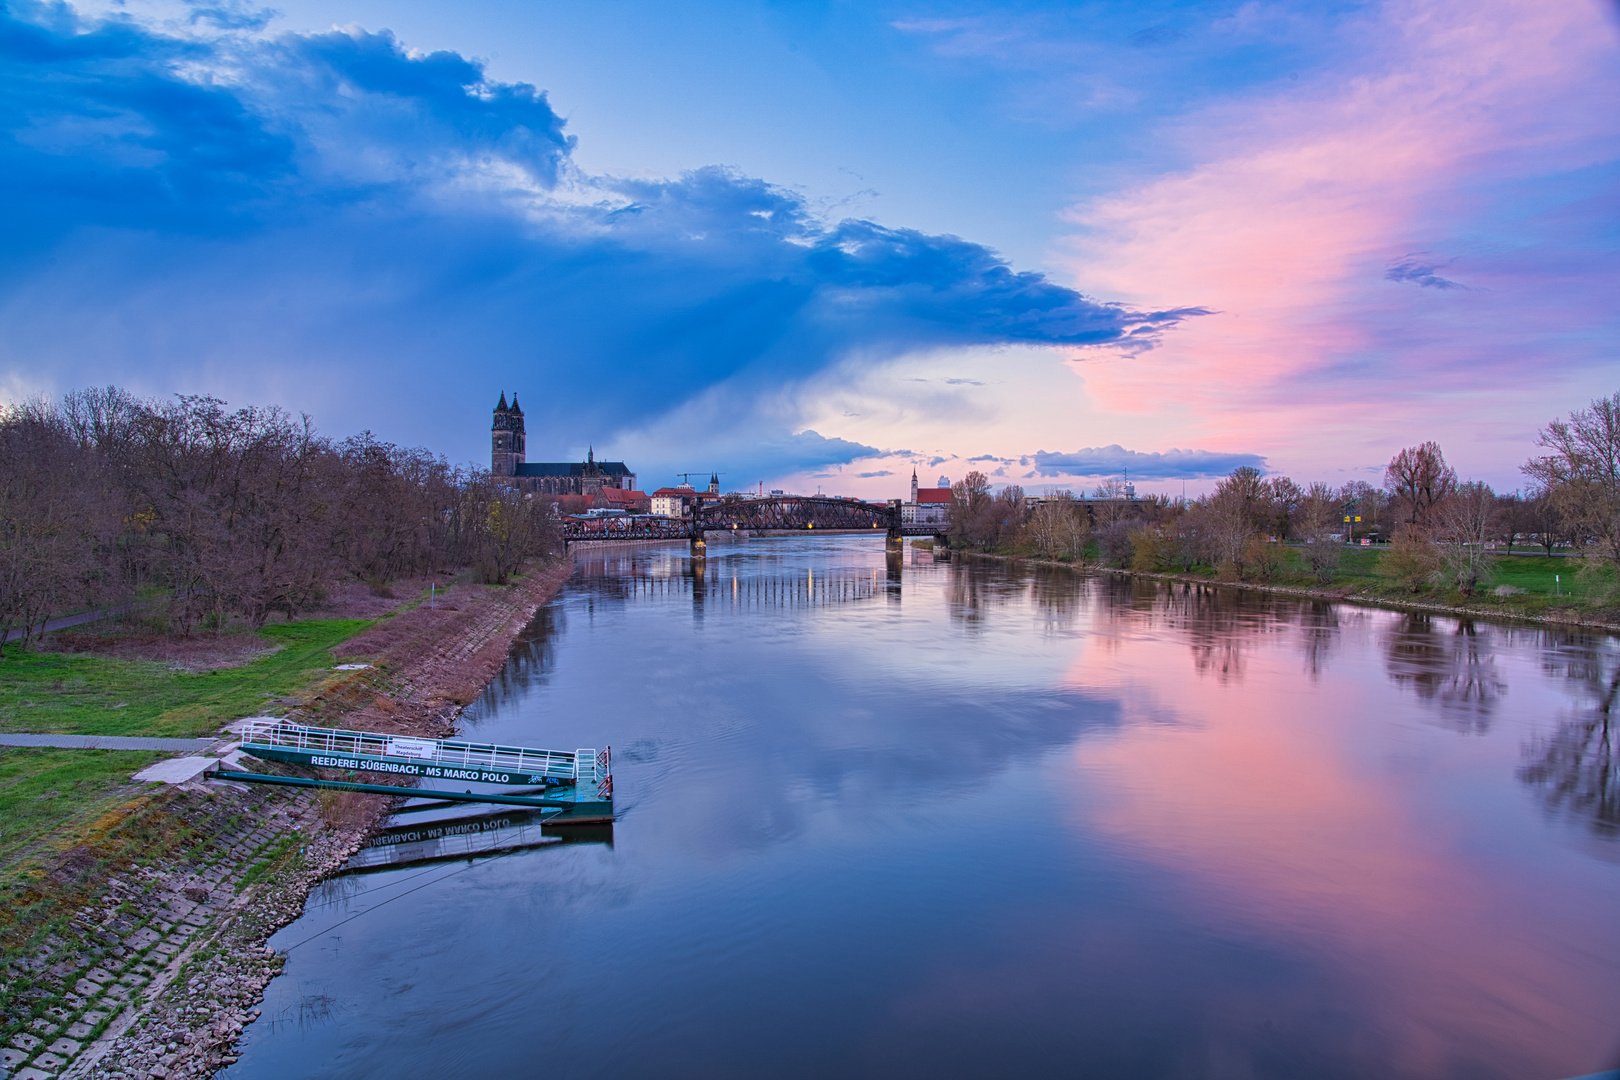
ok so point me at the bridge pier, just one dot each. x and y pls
(895, 541)
(700, 547)
(942, 548)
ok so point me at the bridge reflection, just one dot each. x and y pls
(753, 588)
(607, 577)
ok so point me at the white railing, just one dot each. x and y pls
(595, 768)
(583, 765)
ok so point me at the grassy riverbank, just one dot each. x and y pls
(85, 694)
(49, 797)
(123, 905)
(1538, 587)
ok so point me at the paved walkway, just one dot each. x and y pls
(65, 621)
(105, 742)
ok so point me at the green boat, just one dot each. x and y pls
(579, 781)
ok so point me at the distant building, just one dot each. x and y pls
(630, 502)
(506, 458)
(680, 500)
(928, 506)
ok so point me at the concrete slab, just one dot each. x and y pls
(235, 726)
(177, 770)
(237, 760)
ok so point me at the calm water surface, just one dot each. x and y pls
(960, 820)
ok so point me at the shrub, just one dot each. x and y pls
(1115, 544)
(1411, 561)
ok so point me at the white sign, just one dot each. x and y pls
(412, 748)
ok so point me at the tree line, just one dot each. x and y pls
(1440, 530)
(217, 514)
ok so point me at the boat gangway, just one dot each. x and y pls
(579, 782)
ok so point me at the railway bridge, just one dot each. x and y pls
(775, 513)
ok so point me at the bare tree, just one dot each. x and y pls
(1361, 500)
(1419, 480)
(235, 513)
(46, 539)
(1284, 498)
(508, 527)
(1465, 523)
(1321, 527)
(1544, 519)
(1057, 528)
(1582, 474)
(1232, 514)
(1512, 518)
(972, 524)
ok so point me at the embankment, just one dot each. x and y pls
(153, 956)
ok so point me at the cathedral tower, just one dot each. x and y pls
(506, 438)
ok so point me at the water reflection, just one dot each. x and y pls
(1575, 769)
(969, 819)
(439, 836)
(1451, 665)
(759, 586)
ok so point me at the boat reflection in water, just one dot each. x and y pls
(467, 836)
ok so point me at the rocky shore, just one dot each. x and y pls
(162, 959)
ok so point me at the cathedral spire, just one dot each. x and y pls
(502, 406)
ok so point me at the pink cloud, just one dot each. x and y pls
(1298, 202)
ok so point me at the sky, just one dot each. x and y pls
(817, 245)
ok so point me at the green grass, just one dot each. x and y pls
(93, 695)
(43, 790)
(268, 860)
(1535, 573)
(1548, 584)
(51, 799)
(1357, 566)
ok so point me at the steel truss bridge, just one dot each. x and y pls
(778, 513)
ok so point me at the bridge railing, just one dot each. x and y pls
(284, 734)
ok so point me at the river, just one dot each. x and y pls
(966, 820)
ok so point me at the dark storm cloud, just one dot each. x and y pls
(333, 214)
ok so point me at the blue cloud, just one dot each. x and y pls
(1170, 465)
(383, 236)
(810, 448)
(1410, 268)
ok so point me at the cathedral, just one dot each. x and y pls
(588, 477)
